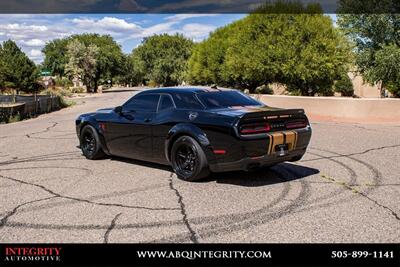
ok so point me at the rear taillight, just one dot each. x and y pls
(255, 129)
(296, 124)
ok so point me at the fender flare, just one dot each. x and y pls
(95, 124)
(192, 131)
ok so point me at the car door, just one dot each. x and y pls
(162, 123)
(131, 135)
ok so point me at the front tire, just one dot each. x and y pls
(90, 143)
(188, 159)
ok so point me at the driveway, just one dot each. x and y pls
(345, 189)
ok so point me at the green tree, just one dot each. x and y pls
(207, 64)
(17, 71)
(82, 63)
(133, 72)
(377, 40)
(302, 50)
(163, 58)
(55, 56)
(109, 59)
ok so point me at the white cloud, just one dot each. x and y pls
(180, 17)
(33, 42)
(106, 24)
(35, 53)
(197, 30)
(16, 27)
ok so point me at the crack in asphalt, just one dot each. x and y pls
(351, 154)
(29, 135)
(354, 190)
(193, 234)
(84, 200)
(4, 220)
(44, 157)
(110, 228)
(253, 218)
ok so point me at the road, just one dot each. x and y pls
(346, 189)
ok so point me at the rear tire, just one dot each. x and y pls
(90, 143)
(188, 159)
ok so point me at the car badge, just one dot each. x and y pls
(193, 115)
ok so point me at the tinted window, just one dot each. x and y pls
(187, 101)
(226, 99)
(146, 103)
(166, 103)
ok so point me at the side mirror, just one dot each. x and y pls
(118, 109)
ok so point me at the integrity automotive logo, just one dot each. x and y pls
(31, 254)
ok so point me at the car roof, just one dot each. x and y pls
(184, 90)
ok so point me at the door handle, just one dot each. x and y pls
(147, 120)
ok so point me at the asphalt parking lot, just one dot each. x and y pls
(345, 189)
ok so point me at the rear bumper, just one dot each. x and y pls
(250, 154)
(255, 162)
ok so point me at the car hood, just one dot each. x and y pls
(105, 110)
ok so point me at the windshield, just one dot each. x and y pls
(226, 99)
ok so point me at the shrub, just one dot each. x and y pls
(152, 83)
(264, 89)
(63, 82)
(344, 86)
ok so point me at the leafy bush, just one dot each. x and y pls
(77, 90)
(264, 89)
(344, 86)
(58, 92)
(66, 103)
(63, 82)
(152, 83)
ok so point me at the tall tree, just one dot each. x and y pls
(82, 63)
(302, 50)
(164, 58)
(109, 58)
(55, 56)
(377, 40)
(17, 71)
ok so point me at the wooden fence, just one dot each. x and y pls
(27, 106)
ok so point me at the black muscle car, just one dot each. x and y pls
(196, 130)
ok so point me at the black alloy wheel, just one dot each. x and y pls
(188, 159)
(90, 143)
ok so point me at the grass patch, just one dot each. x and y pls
(14, 118)
(64, 103)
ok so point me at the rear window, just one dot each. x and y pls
(187, 101)
(226, 99)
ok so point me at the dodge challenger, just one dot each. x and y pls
(196, 131)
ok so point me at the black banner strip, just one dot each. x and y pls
(349, 255)
(194, 6)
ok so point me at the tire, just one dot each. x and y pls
(188, 159)
(90, 143)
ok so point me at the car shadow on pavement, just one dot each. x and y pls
(281, 173)
(143, 163)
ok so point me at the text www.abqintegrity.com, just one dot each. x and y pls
(203, 254)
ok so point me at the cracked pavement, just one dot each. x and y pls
(345, 189)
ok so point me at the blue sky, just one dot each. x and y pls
(31, 32)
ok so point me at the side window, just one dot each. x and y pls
(146, 103)
(166, 103)
(187, 101)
